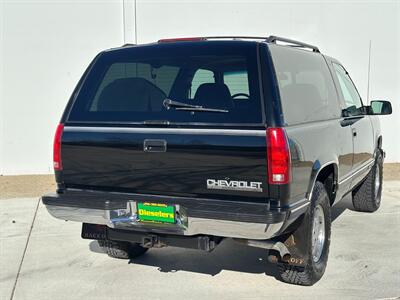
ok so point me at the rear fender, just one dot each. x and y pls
(298, 239)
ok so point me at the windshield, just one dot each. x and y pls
(211, 84)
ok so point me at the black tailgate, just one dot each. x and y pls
(233, 161)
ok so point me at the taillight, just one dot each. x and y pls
(57, 148)
(278, 155)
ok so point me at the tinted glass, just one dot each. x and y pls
(349, 92)
(201, 76)
(305, 84)
(131, 85)
(238, 83)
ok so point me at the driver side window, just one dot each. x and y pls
(350, 95)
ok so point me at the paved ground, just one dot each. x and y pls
(364, 262)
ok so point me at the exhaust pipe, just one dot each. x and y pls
(270, 245)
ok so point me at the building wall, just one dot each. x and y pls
(46, 45)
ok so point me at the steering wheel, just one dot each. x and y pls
(241, 95)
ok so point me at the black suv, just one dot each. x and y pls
(185, 142)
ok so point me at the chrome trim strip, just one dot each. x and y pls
(126, 219)
(300, 207)
(367, 165)
(314, 179)
(299, 203)
(194, 131)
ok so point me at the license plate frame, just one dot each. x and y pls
(151, 212)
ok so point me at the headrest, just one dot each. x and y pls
(213, 95)
(130, 94)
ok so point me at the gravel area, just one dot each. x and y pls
(26, 186)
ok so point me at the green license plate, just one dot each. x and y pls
(156, 212)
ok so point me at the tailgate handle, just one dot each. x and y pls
(155, 146)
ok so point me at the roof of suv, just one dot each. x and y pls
(271, 39)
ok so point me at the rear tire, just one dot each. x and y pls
(367, 196)
(318, 220)
(121, 250)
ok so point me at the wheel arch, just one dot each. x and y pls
(326, 173)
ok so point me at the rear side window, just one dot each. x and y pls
(305, 84)
(132, 84)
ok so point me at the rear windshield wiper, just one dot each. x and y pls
(168, 103)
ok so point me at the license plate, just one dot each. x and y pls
(156, 212)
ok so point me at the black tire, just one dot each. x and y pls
(367, 196)
(314, 268)
(121, 250)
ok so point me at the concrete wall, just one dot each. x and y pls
(46, 45)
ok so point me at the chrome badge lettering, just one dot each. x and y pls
(221, 184)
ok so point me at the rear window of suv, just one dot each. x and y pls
(131, 85)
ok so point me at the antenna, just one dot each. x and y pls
(369, 69)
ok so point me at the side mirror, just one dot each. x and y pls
(380, 107)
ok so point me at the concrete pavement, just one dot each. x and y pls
(364, 261)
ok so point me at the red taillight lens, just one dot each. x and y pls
(57, 148)
(278, 155)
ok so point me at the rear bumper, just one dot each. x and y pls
(193, 216)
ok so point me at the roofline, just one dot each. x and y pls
(270, 39)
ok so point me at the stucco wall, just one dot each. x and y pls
(46, 45)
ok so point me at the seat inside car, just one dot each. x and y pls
(214, 95)
(130, 94)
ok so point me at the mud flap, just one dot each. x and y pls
(93, 231)
(297, 242)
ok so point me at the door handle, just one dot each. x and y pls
(354, 131)
(155, 145)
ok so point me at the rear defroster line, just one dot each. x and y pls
(26, 247)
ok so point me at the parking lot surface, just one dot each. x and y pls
(45, 258)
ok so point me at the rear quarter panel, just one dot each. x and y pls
(313, 146)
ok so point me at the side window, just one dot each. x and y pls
(306, 85)
(201, 76)
(238, 83)
(350, 95)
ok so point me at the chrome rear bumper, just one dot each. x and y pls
(193, 216)
(185, 225)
